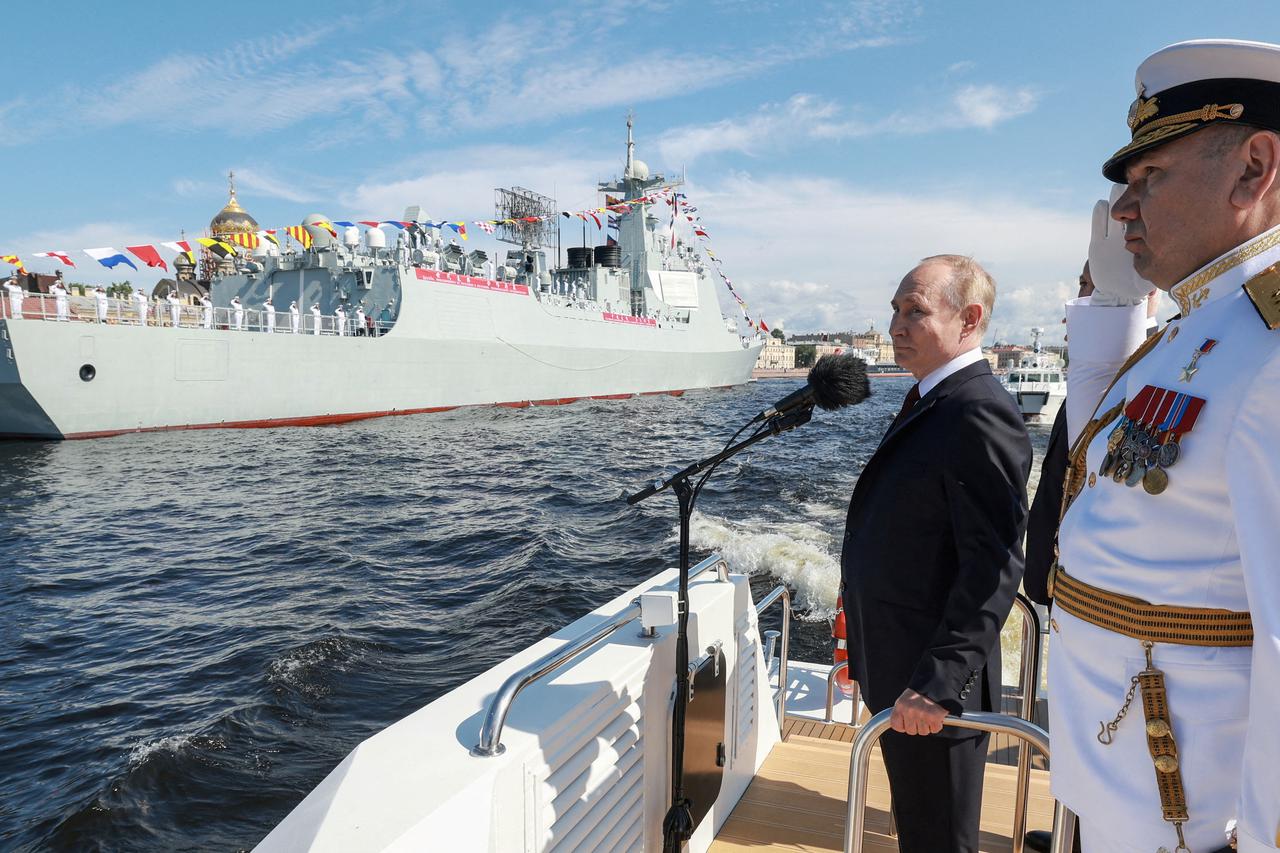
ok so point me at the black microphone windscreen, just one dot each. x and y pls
(839, 380)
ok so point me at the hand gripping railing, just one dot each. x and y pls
(780, 592)
(860, 769)
(495, 716)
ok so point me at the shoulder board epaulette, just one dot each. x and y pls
(1263, 291)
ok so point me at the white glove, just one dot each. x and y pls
(1115, 281)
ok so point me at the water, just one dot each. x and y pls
(195, 627)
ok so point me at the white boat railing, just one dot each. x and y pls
(495, 716)
(126, 312)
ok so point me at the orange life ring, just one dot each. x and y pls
(839, 633)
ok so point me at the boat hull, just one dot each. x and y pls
(451, 347)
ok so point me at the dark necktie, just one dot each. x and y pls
(913, 397)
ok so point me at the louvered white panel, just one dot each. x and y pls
(589, 795)
(744, 711)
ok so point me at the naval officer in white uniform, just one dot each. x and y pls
(59, 291)
(140, 299)
(315, 318)
(100, 303)
(1165, 637)
(15, 297)
(175, 309)
(269, 314)
(206, 311)
(237, 312)
(295, 317)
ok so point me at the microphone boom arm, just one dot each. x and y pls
(773, 426)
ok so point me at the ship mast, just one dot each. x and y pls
(631, 148)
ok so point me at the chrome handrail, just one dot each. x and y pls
(860, 769)
(495, 716)
(1029, 678)
(842, 666)
(780, 592)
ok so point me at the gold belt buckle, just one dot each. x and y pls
(1051, 580)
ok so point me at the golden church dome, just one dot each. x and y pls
(232, 219)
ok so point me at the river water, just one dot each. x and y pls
(195, 627)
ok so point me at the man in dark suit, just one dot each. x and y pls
(933, 553)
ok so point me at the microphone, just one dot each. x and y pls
(834, 382)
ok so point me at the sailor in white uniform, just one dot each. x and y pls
(175, 309)
(340, 320)
(360, 320)
(140, 299)
(15, 297)
(295, 317)
(206, 311)
(1165, 638)
(100, 304)
(59, 292)
(315, 318)
(237, 313)
(269, 311)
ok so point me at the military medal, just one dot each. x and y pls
(1117, 463)
(1190, 370)
(1140, 440)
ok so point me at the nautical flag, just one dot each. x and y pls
(300, 234)
(345, 224)
(109, 257)
(218, 247)
(270, 236)
(149, 256)
(372, 223)
(460, 227)
(609, 241)
(326, 226)
(396, 223)
(608, 199)
(486, 227)
(763, 326)
(249, 241)
(182, 247)
(13, 259)
(62, 256)
(584, 214)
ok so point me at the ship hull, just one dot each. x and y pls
(452, 347)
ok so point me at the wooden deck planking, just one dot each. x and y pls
(797, 800)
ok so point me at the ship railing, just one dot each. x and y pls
(495, 715)
(1030, 734)
(125, 312)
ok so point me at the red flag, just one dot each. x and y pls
(763, 326)
(149, 256)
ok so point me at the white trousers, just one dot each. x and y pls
(62, 309)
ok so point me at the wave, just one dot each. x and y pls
(797, 553)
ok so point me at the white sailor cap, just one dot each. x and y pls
(1196, 84)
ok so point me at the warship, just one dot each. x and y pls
(413, 327)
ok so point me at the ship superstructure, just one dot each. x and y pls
(1038, 383)
(359, 326)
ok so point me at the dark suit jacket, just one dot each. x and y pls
(1042, 522)
(933, 547)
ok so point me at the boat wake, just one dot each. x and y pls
(797, 553)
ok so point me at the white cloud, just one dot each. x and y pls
(826, 254)
(987, 106)
(808, 117)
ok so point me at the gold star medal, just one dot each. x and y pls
(1190, 370)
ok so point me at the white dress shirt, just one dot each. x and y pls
(963, 360)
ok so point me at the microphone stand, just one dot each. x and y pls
(677, 826)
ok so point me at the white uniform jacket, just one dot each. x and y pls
(1211, 539)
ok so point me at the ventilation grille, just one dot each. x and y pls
(590, 794)
(745, 706)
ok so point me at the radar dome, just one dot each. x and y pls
(639, 170)
(375, 238)
(320, 237)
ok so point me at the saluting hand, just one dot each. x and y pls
(914, 714)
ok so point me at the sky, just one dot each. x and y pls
(827, 145)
